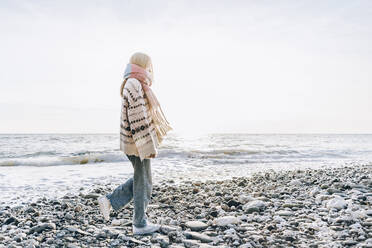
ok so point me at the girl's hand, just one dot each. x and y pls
(152, 156)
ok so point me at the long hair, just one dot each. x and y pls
(140, 59)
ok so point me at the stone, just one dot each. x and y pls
(324, 186)
(91, 196)
(289, 236)
(218, 193)
(78, 208)
(350, 243)
(199, 236)
(296, 183)
(115, 242)
(116, 222)
(225, 220)
(166, 229)
(49, 241)
(233, 203)
(333, 191)
(337, 203)
(242, 183)
(190, 243)
(69, 216)
(344, 219)
(65, 205)
(213, 213)
(366, 223)
(11, 220)
(30, 210)
(246, 245)
(133, 240)
(101, 235)
(162, 240)
(285, 213)
(60, 234)
(18, 238)
(196, 225)
(245, 198)
(42, 227)
(254, 206)
(31, 243)
(76, 230)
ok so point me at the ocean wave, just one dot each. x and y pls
(36, 154)
(216, 156)
(64, 160)
(223, 153)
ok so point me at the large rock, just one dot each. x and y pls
(225, 220)
(254, 206)
(337, 203)
(196, 225)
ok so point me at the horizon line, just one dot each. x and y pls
(207, 133)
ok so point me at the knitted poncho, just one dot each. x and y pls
(137, 131)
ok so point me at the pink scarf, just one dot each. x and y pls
(162, 126)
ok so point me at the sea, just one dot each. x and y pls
(53, 165)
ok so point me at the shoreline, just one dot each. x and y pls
(21, 185)
(328, 207)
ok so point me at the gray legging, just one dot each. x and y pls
(138, 187)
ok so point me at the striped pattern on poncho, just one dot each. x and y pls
(137, 130)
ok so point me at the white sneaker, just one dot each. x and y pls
(149, 228)
(104, 206)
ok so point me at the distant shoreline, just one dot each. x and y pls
(213, 133)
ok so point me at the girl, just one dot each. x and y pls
(143, 127)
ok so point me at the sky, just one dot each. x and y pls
(219, 66)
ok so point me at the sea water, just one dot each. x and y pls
(52, 165)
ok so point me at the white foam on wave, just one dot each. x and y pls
(216, 156)
(91, 158)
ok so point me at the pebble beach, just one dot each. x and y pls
(296, 208)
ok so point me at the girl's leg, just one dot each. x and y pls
(147, 165)
(142, 188)
(122, 195)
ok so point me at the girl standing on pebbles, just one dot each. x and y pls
(142, 129)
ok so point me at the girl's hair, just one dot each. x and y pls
(140, 59)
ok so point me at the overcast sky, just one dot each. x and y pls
(220, 66)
